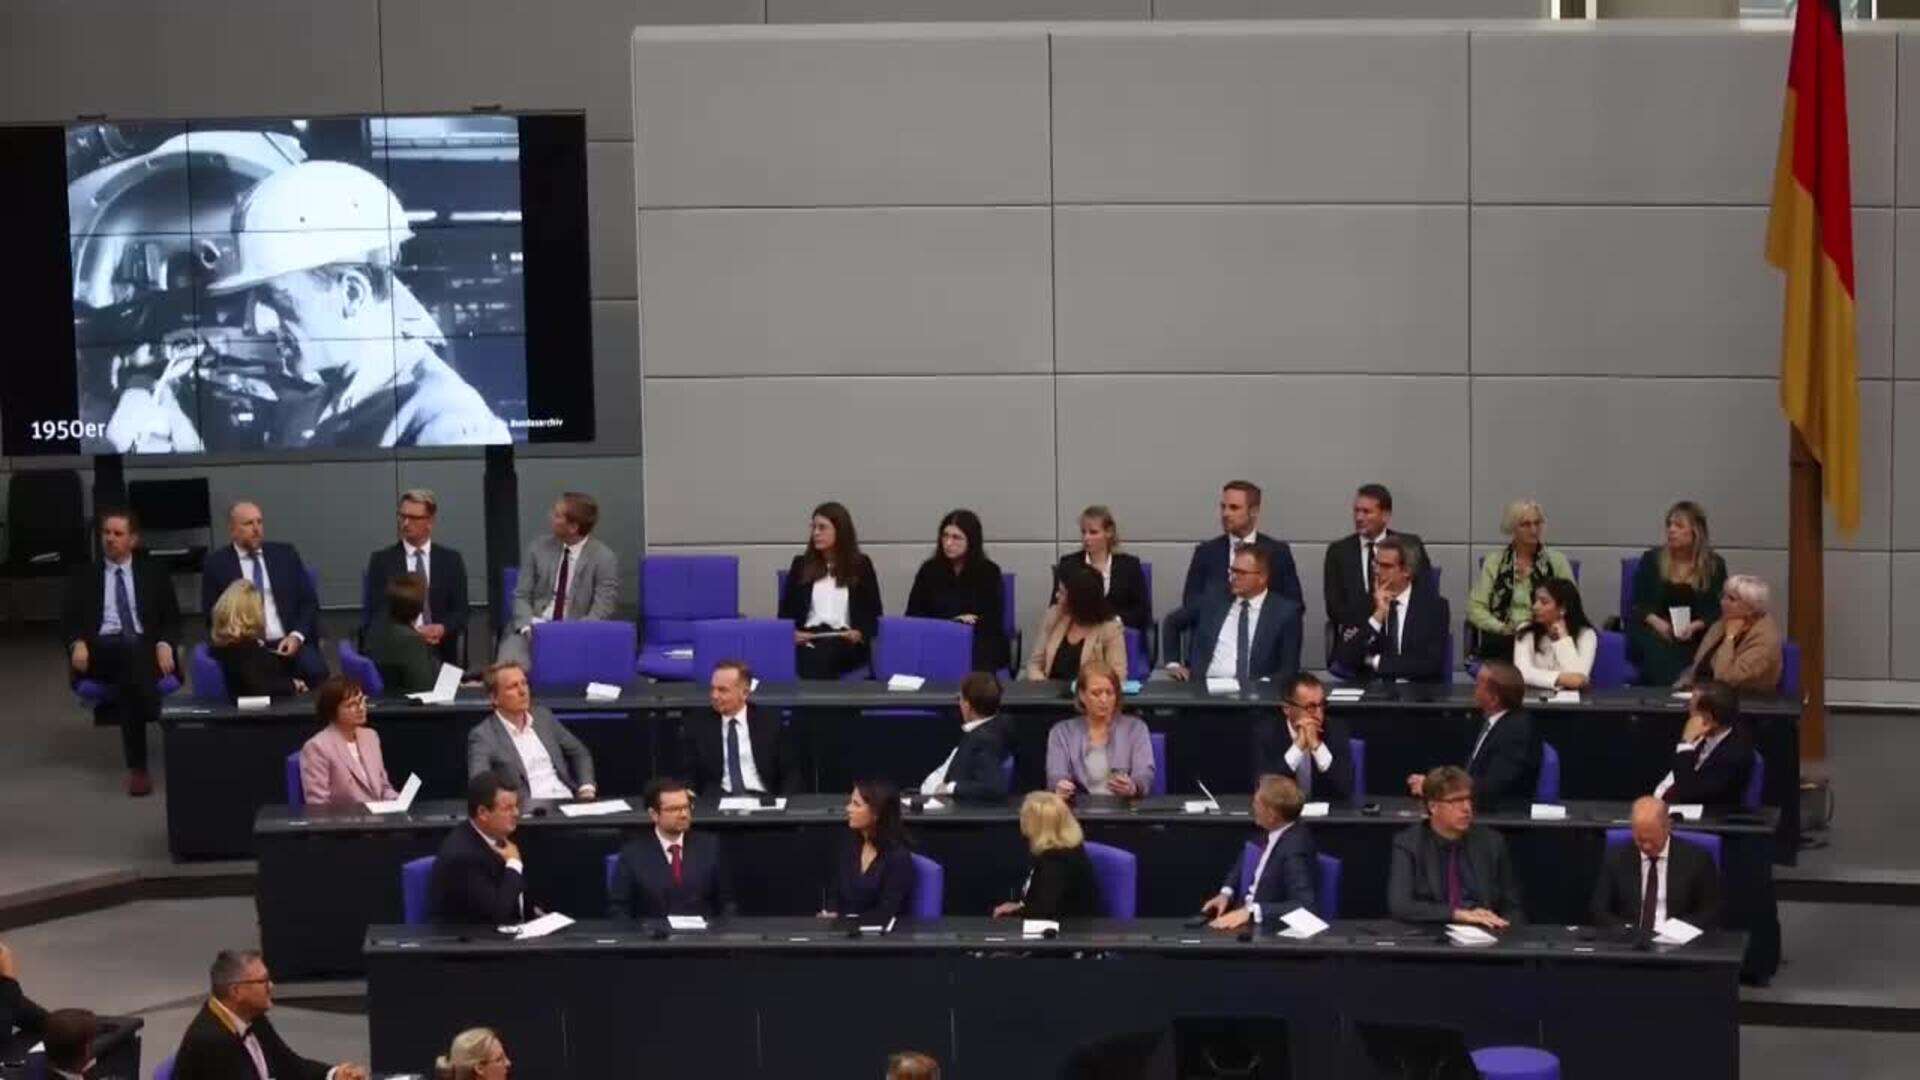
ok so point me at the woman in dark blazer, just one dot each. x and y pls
(1060, 882)
(238, 627)
(1685, 572)
(872, 876)
(959, 582)
(1121, 575)
(407, 663)
(832, 597)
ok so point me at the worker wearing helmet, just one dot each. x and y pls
(313, 255)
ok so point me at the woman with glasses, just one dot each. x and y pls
(341, 765)
(1742, 649)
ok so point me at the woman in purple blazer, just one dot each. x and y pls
(341, 765)
(1103, 750)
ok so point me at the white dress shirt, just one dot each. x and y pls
(1366, 557)
(425, 570)
(247, 1039)
(1322, 757)
(1660, 895)
(936, 781)
(542, 781)
(110, 611)
(1105, 572)
(1482, 740)
(1400, 627)
(1707, 747)
(573, 574)
(275, 628)
(748, 771)
(1226, 648)
(831, 601)
(1570, 652)
(1259, 868)
(514, 865)
(668, 843)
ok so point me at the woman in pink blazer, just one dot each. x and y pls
(341, 765)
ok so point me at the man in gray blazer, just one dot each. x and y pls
(588, 590)
(525, 744)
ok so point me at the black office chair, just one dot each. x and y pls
(46, 526)
(176, 520)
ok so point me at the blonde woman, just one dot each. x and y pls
(1742, 649)
(1122, 577)
(1682, 579)
(1060, 883)
(238, 627)
(1103, 750)
(1501, 602)
(476, 1054)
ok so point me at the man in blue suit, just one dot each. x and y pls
(1285, 878)
(1207, 573)
(293, 610)
(1251, 633)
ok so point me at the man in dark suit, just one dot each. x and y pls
(1657, 877)
(974, 771)
(443, 622)
(1285, 877)
(1405, 636)
(1249, 633)
(231, 1037)
(293, 609)
(478, 875)
(1347, 580)
(1504, 758)
(1714, 760)
(1207, 571)
(1300, 740)
(119, 621)
(1444, 870)
(738, 749)
(670, 871)
(525, 744)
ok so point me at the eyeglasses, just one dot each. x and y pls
(1238, 572)
(267, 979)
(1307, 706)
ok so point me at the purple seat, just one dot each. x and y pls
(1116, 872)
(96, 693)
(1546, 788)
(361, 670)
(1610, 668)
(1159, 741)
(1359, 748)
(613, 867)
(859, 674)
(675, 592)
(1789, 670)
(1006, 772)
(1139, 666)
(569, 655)
(1153, 628)
(1516, 1063)
(509, 580)
(209, 682)
(766, 645)
(1326, 888)
(1629, 566)
(929, 889)
(164, 1070)
(1010, 622)
(1756, 783)
(416, 878)
(1617, 838)
(296, 788)
(940, 650)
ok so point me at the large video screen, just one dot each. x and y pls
(255, 285)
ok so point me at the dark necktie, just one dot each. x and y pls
(1453, 878)
(259, 576)
(1650, 897)
(560, 589)
(736, 780)
(1303, 775)
(1366, 568)
(123, 607)
(420, 567)
(1393, 629)
(1478, 741)
(673, 861)
(1243, 641)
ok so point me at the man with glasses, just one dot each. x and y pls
(670, 871)
(1300, 741)
(1445, 870)
(1247, 634)
(443, 620)
(231, 1037)
(478, 876)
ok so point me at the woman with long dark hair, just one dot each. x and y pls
(1080, 629)
(959, 582)
(872, 876)
(1555, 651)
(832, 597)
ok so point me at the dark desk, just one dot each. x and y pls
(116, 1052)
(223, 763)
(792, 997)
(325, 877)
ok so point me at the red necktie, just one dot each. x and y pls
(673, 858)
(560, 590)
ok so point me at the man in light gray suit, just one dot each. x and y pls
(588, 591)
(525, 744)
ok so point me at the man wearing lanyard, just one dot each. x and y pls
(231, 1037)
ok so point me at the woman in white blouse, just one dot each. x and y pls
(1555, 651)
(833, 598)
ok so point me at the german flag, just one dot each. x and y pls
(1810, 236)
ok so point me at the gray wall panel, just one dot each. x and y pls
(870, 291)
(616, 379)
(1645, 290)
(1905, 639)
(1859, 613)
(610, 203)
(746, 460)
(206, 58)
(1906, 466)
(1372, 116)
(882, 118)
(1262, 289)
(820, 11)
(1908, 112)
(1157, 449)
(1906, 302)
(1558, 118)
(1350, 9)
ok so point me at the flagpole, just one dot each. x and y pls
(1806, 592)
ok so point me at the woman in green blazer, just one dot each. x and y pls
(1502, 598)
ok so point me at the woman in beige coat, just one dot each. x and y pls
(1742, 648)
(1080, 628)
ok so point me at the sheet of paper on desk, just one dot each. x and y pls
(906, 682)
(1676, 932)
(1462, 934)
(1222, 684)
(445, 686)
(686, 922)
(1315, 809)
(1038, 927)
(599, 691)
(541, 927)
(1548, 812)
(1198, 806)
(1302, 924)
(595, 809)
(252, 701)
(1690, 811)
(749, 802)
(933, 804)
(1565, 697)
(402, 804)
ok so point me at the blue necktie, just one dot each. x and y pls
(1243, 640)
(121, 605)
(420, 567)
(259, 575)
(735, 779)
